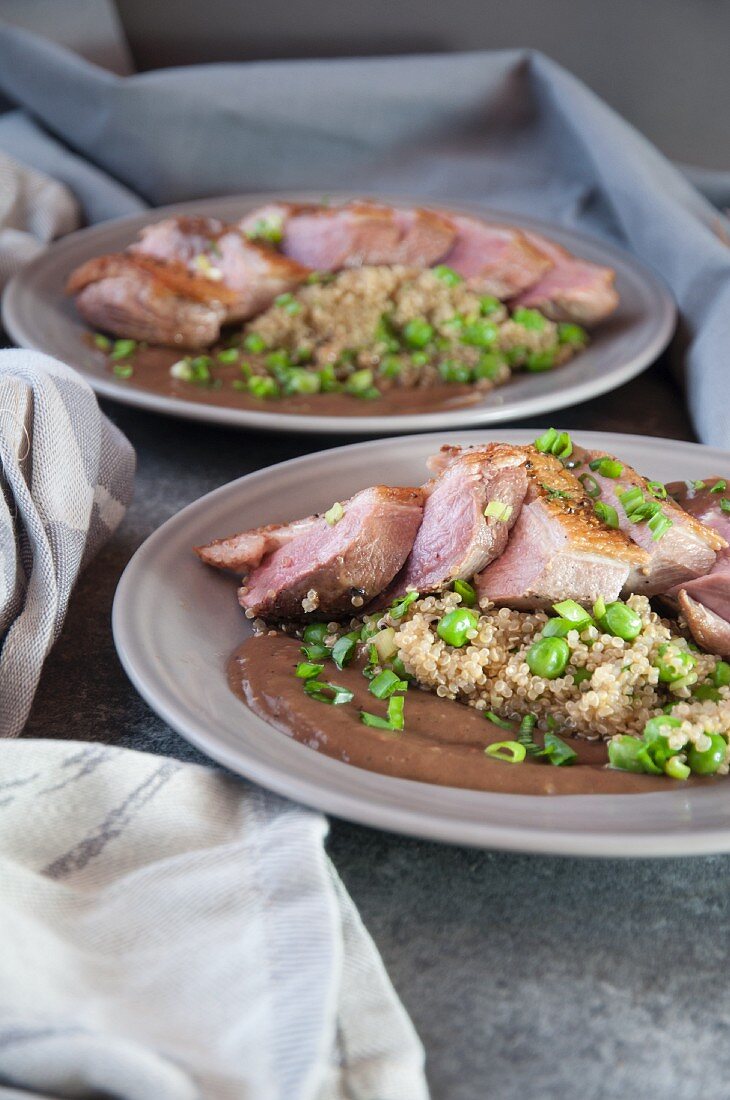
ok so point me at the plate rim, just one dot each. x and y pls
(406, 423)
(393, 817)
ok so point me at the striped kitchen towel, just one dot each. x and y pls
(169, 932)
(34, 210)
(67, 476)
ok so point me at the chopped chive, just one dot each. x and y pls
(123, 349)
(607, 467)
(385, 684)
(607, 513)
(497, 721)
(572, 611)
(102, 342)
(631, 498)
(697, 485)
(657, 489)
(254, 343)
(261, 386)
(659, 524)
(123, 370)
(725, 504)
(333, 694)
(228, 355)
(581, 675)
(554, 442)
(344, 650)
(599, 608)
(557, 752)
(316, 651)
(398, 609)
(334, 514)
(719, 486)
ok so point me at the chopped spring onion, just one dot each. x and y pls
(572, 611)
(498, 511)
(315, 632)
(557, 752)
(659, 524)
(488, 304)
(228, 355)
(590, 485)
(254, 343)
(675, 769)
(721, 674)
(697, 485)
(206, 268)
(719, 486)
(511, 752)
(657, 489)
(607, 513)
(398, 609)
(497, 721)
(631, 499)
(451, 370)
(333, 694)
(360, 383)
(385, 644)
(467, 593)
(395, 719)
(524, 735)
(316, 651)
(581, 675)
(725, 504)
(307, 670)
(344, 649)
(334, 514)
(599, 608)
(261, 386)
(123, 370)
(555, 443)
(269, 229)
(123, 349)
(102, 342)
(386, 683)
(607, 467)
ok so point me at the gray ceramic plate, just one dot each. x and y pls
(37, 314)
(176, 622)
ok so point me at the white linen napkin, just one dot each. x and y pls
(34, 210)
(169, 932)
(66, 480)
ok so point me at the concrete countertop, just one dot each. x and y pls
(527, 977)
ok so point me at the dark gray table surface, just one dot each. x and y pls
(527, 977)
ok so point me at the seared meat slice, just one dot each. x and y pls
(709, 630)
(334, 568)
(456, 539)
(558, 549)
(495, 259)
(253, 273)
(686, 550)
(573, 289)
(355, 234)
(245, 551)
(142, 299)
(705, 601)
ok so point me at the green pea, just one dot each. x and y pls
(261, 386)
(548, 657)
(301, 380)
(673, 663)
(530, 319)
(557, 628)
(572, 334)
(621, 621)
(538, 361)
(707, 762)
(479, 334)
(254, 343)
(417, 333)
(490, 366)
(454, 625)
(488, 304)
(447, 275)
(390, 366)
(453, 371)
(420, 358)
(359, 382)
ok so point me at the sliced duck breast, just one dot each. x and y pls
(684, 550)
(340, 561)
(245, 551)
(329, 238)
(180, 238)
(705, 601)
(495, 259)
(457, 538)
(572, 289)
(558, 548)
(142, 299)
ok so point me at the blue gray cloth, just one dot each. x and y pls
(511, 128)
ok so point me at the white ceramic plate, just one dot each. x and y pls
(176, 622)
(37, 314)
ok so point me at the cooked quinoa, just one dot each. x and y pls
(622, 692)
(405, 328)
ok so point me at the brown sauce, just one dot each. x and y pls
(443, 741)
(151, 368)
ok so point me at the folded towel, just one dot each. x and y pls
(66, 480)
(170, 932)
(34, 210)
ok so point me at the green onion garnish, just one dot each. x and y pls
(333, 694)
(254, 343)
(334, 514)
(102, 342)
(607, 513)
(524, 735)
(555, 443)
(631, 498)
(607, 467)
(591, 486)
(386, 683)
(511, 752)
(488, 304)
(557, 752)
(288, 303)
(580, 675)
(307, 670)
(467, 593)
(599, 608)
(123, 370)
(316, 651)
(573, 612)
(395, 719)
(697, 485)
(398, 609)
(659, 524)
(498, 511)
(228, 355)
(719, 486)
(725, 504)
(657, 489)
(497, 721)
(344, 649)
(123, 349)
(262, 386)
